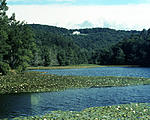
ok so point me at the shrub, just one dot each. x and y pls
(4, 68)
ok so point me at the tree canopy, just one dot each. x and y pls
(16, 41)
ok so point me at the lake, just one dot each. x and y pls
(77, 99)
(102, 71)
(71, 99)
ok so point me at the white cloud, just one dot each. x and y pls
(118, 17)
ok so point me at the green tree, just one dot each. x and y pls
(22, 45)
(4, 68)
(3, 8)
(16, 41)
(61, 57)
(120, 57)
(46, 55)
(4, 29)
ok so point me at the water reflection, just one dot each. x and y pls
(15, 105)
(19, 105)
(71, 99)
(35, 98)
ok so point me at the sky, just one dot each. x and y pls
(76, 14)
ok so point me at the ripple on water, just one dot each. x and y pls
(71, 99)
(102, 71)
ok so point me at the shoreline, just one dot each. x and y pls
(65, 67)
(78, 66)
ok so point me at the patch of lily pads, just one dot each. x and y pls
(133, 111)
(36, 82)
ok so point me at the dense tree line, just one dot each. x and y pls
(132, 51)
(61, 47)
(16, 42)
(56, 47)
(97, 46)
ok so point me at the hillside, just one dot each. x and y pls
(60, 46)
(94, 38)
(97, 38)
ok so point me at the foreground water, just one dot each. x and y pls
(71, 99)
(102, 71)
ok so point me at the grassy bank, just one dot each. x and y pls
(79, 66)
(66, 67)
(35, 82)
(134, 111)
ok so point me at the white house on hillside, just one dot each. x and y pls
(76, 33)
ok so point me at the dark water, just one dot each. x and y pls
(103, 71)
(71, 99)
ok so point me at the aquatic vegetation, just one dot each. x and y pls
(136, 111)
(35, 82)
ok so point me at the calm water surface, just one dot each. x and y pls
(71, 99)
(103, 71)
(77, 99)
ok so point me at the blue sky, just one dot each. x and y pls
(76, 2)
(74, 14)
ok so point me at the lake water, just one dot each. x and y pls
(71, 99)
(77, 99)
(102, 71)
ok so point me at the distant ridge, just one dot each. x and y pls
(94, 37)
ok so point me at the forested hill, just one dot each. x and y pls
(96, 38)
(96, 45)
(93, 38)
(51, 29)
